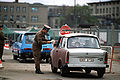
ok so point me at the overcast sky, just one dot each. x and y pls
(57, 2)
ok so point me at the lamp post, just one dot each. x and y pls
(75, 22)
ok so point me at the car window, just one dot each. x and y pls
(29, 38)
(20, 39)
(60, 43)
(83, 42)
(63, 42)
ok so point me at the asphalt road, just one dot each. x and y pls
(13, 70)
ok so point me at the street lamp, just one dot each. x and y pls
(75, 22)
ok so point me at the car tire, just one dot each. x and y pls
(15, 57)
(54, 69)
(101, 72)
(87, 71)
(64, 71)
(47, 60)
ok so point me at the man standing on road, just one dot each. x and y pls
(2, 38)
(37, 46)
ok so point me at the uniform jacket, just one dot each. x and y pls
(39, 39)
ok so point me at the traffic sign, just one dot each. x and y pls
(65, 29)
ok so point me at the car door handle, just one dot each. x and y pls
(56, 50)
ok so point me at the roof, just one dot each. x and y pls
(103, 2)
(78, 34)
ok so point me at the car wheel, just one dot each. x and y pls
(64, 71)
(101, 72)
(54, 69)
(47, 60)
(87, 71)
(15, 57)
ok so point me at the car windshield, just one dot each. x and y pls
(29, 38)
(83, 42)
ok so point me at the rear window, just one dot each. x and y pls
(83, 42)
(29, 38)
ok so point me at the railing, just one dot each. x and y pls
(112, 59)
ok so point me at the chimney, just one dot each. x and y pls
(16, 1)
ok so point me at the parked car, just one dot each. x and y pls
(78, 51)
(22, 48)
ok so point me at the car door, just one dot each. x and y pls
(55, 55)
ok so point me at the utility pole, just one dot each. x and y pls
(75, 18)
(112, 34)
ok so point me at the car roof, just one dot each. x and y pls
(78, 34)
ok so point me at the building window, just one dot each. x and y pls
(0, 8)
(5, 17)
(0, 18)
(100, 10)
(34, 18)
(106, 10)
(109, 10)
(24, 9)
(11, 18)
(5, 8)
(18, 9)
(103, 10)
(11, 9)
(113, 9)
(24, 18)
(18, 18)
(35, 10)
(117, 10)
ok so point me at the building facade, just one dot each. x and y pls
(22, 15)
(54, 14)
(106, 11)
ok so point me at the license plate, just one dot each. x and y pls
(86, 59)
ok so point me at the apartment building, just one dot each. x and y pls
(54, 13)
(109, 10)
(22, 15)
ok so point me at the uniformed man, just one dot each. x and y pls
(37, 46)
(2, 38)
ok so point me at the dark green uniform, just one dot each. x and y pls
(2, 38)
(37, 46)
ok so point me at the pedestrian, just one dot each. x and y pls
(2, 38)
(37, 46)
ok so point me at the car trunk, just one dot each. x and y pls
(86, 57)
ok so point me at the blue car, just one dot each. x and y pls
(22, 48)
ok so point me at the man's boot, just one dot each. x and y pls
(38, 71)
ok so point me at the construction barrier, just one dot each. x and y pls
(6, 44)
(1, 64)
(112, 59)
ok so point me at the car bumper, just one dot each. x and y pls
(87, 65)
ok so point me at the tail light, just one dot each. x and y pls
(67, 57)
(106, 58)
(46, 48)
(28, 48)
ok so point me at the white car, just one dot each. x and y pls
(78, 51)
